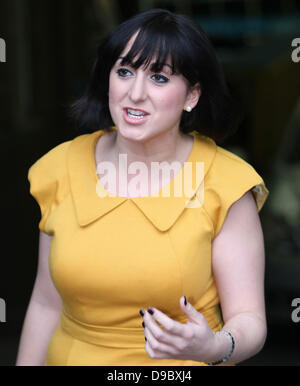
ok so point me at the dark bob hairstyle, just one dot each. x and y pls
(162, 34)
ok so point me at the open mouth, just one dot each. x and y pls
(134, 116)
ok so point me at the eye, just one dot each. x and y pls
(160, 78)
(123, 72)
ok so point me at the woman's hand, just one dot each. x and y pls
(193, 340)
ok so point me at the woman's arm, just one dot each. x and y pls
(43, 312)
(238, 268)
(238, 260)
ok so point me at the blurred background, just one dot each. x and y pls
(50, 46)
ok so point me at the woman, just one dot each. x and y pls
(137, 277)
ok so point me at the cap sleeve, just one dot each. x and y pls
(48, 183)
(229, 178)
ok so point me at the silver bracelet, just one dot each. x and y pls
(225, 359)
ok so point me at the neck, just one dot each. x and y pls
(167, 147)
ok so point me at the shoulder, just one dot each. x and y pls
(232, 180)
(228, 167)
(48, 175)
(52, 161)
(48, 179)
(229, 176)
(220, 163)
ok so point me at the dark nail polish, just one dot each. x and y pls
(142, 312)
(145, 339)
(151, 312)
(185, 302)
(143, 324)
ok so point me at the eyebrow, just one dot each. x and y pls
(152, 64)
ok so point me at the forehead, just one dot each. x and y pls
(129, 44)
(167, 65)
(145, 55)
(135, 37)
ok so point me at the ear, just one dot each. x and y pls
(194, 95)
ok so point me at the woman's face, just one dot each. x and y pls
(144, 104)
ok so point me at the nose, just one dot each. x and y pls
(138, 90)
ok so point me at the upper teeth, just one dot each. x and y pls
(135, 112)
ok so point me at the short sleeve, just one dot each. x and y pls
(48, 183)
(228, 179)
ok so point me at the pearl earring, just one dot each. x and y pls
(188, 109)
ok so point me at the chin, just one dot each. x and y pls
(133, 133)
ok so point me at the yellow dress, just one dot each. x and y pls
(112, 256)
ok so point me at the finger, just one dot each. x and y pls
(169, 325)
(152, 354)
(157, 348)
(194, 315)
(161, 335)
(156, 331)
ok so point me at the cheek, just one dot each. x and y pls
(173, 99)
(113, 90)
(113, 99)
(116, 89)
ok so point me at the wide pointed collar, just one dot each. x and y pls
(161, 211)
